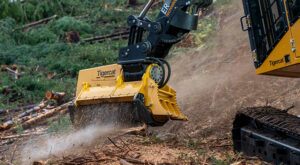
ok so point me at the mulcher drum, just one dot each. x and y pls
(116, 114)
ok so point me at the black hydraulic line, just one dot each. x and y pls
(132, 35)
(139, 36)
(169, 71)
(159, 62)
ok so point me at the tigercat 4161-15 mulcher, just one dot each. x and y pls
(135, 90)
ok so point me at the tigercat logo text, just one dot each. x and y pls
(273, 63)
(109, 73)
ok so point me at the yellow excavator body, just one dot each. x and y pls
(106, 85)
(284, 60)
(274, 36)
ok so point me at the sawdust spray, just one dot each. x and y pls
(47, 146)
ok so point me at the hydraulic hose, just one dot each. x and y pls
(161, 63)
(169, 71)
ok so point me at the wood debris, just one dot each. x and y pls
(51, 75)
(20, 135)
(43, 116)
(21, 117)
(45, 20)
(7, 111)
(13, 70)
(115, 36)
(57, 96)
(35, 113)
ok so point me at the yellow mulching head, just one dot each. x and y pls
(148, 103)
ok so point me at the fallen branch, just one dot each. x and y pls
(125, 144)
(45, 20)
(21, 118)
(32, 110)
(20, 136)
(14, 72)
(114, 36)
(6, 111)
(50, 113)
(7, 125)
(114, 143)
(289, 108)
(13, 154)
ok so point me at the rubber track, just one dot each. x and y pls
(275, 119)
(269, 122)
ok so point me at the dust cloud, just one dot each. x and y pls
(218, 79)
(48, 146)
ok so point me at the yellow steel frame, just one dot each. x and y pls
(106, 84)
(276, 64)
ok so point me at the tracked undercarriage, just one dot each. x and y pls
(270, 133)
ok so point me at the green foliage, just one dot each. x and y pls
(206, 27)
(63, 123)
(67, 24)
(6, 25)
(19, 128)
(39, 35)
(11, 9)
(222, 3)
(32, 10)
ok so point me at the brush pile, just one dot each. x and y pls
(27, 116)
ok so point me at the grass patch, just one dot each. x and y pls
(19, 128)
(63, 123)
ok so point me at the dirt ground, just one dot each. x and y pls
(116, 146)
(212, 83)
